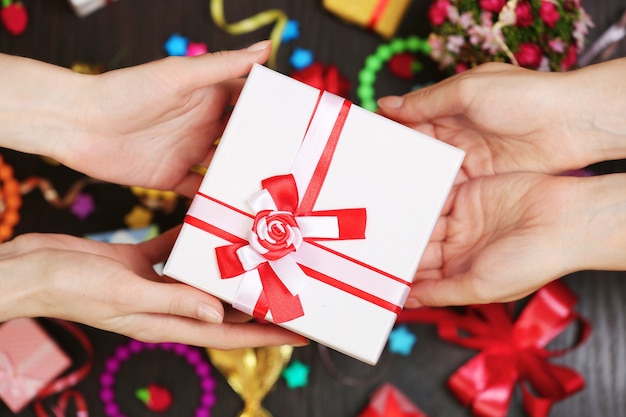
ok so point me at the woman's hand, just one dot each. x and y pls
(114, 287)
(147, 125)
(511, 119)
(502, 237)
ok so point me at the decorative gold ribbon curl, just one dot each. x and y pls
(252, 23)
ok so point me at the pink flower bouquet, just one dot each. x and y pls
(545, 35)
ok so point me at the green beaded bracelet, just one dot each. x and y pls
(373, 63)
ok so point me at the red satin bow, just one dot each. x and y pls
(324, 78)
(510, 351)
(275, 296)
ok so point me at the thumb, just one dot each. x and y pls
(213, 68)
(424, 105)
(457, 290)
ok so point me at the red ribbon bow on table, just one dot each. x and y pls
(324, 78)
(510, 351)
(275, 251)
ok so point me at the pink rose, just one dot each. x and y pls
(438, 12)
(549, 13)
(529, 55)
(461, 67)
(523, 14)
(570, 59)
(275, 234)
(492, 5)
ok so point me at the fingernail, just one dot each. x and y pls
(305, 342)
(412, 303)
(210, 314)
(391, 102)
(259, 46)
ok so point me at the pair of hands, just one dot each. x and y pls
(511, 223)
(145, 126)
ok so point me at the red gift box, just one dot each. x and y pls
(389, 401)
(29, 361)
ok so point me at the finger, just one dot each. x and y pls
(189, 185)
(209, 69)
(440, 229)
(233, 89)
(232, 315)
(435, 273)
(448, 291)
(432, 257)
(175, 299)
(423, 105)
(158, 248)
(448, 205)
(162, 328)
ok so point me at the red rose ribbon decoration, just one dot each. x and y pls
(279, 230)
(276, 252)
(510, 351)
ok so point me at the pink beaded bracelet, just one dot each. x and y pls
(193, 357)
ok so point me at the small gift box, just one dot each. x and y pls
(314, 214)
(389, 401)
(381, 16)
(29, 361)
(85, 7)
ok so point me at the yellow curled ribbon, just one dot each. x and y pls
(252, 23)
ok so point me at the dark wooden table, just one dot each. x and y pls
(130, 32)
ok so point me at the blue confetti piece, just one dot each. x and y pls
(301, 58)
(176, 45)
(401, 341)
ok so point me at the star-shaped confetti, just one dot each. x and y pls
(301, 58)
(138, 217)
(291, 31)
(401, 341)
(296, 375)
(83, 206)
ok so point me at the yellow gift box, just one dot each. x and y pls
(381, 16)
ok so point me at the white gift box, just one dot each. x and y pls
(85, 7)
(328, 245)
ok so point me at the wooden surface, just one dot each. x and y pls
(131, 32)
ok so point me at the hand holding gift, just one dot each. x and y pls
(505, 233)
(145, 126)
(299, 221)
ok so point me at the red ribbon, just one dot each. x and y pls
(510, 351)
(379, 9)
(273, 276)
(275, 296)
(68, 380)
